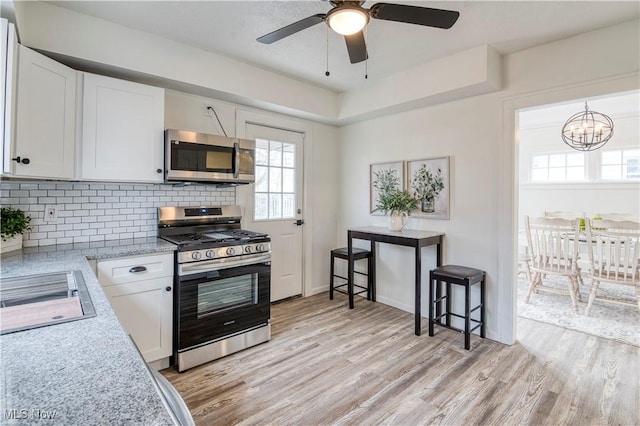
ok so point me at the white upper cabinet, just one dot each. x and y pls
(8, 73)
(44, 139)
(122, 131)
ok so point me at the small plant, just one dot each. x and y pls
(13, 222)
(396, 201)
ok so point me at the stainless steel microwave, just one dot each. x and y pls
(199, 157)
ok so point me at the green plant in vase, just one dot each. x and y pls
(427, 187)
(13, 223)
(397, 204)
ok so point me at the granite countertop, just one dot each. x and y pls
(81, 372)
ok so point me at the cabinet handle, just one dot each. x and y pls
(158, 170)
(21, 160)
(138, 269)
(168, 288)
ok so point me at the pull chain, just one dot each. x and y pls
(366, 61)
(327, 73)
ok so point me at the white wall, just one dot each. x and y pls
(479, 135)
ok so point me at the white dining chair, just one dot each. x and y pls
(614, 253)
(553, 248)
(564, 214)
(619, 216)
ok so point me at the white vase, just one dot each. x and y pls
(11, 243)
(397, 221)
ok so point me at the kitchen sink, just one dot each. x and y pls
(41, 300)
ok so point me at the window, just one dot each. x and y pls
(275, 196)
(620, 164)
(559, 167)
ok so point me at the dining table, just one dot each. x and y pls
(407, 237)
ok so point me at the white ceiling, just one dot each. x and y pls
(230, 28)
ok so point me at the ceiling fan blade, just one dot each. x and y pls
(291, 29)
(427, 16)
(357, 47)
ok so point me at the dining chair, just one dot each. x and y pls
(619, 216)
(564, 214)
(614, 253)
(553, 248)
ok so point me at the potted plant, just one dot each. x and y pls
(427, 187)
(13, 223)
(397, 204)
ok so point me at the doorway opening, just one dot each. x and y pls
(553, 177)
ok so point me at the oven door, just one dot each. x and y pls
(220, 302)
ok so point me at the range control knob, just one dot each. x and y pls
(248, 249)
(210, 254)
(231, 251)
(259, 247)
(196, 255)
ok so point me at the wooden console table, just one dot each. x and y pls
(408, 237)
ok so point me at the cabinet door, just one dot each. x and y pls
(45, 118)
(122, 130)
(145, 310)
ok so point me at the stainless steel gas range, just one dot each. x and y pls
(222, 278)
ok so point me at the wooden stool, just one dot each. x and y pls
(460, 275)
(358, 254)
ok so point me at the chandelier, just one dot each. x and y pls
(587, 130)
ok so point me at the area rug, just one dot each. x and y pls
(608, 320)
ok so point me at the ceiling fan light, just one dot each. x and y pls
(347, 20)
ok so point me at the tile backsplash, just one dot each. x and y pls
(89, 212)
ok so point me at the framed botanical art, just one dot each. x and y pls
(428, 181)
(382, 178)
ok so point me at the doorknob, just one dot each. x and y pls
(298, 222)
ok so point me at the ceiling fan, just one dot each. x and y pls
(349, 19)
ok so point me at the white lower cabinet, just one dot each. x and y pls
(140, 290)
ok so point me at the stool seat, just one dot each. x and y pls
(459, 273)
(352, 288)
(358, 253)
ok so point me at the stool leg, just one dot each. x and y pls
(431, 304)
(448, 304)
(331, 278)
(350, 278)
(482, 329)
(467, 316)
(438, 304)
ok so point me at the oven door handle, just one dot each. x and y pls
(216, 265)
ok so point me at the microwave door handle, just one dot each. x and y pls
(236, 160)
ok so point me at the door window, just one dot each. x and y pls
(275, 188)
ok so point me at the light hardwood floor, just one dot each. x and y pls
(327, 364)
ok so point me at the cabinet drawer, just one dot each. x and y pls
(131, 269)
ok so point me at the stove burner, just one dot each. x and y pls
(209, 238)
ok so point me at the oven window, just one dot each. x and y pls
(226, 293)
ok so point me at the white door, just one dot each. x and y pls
(276, 204)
